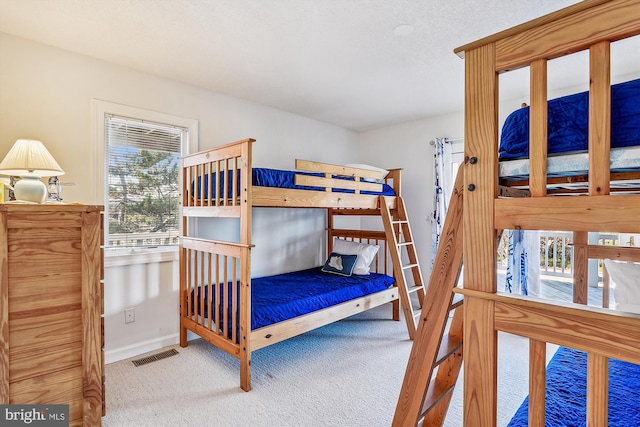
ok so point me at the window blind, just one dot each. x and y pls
(143, 182)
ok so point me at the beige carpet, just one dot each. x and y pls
(345, 374)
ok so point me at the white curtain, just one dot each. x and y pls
(442, 160)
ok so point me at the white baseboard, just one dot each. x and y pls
(137, 349)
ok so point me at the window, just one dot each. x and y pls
(143, 192)
(139, 152)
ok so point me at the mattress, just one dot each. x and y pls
(624, 159)
(265, 177)
(288, 295)
(568, 123)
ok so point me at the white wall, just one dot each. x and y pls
(407, 146)
(45, 94)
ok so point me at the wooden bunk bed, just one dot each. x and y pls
(222, 183)
(598, 199)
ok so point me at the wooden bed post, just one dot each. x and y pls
(479, 234)
(245, 266)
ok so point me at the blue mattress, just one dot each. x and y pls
(264, 177)
(568, 123)
(288, 295)
(566, 395)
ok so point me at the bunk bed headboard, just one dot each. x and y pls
(590, 25)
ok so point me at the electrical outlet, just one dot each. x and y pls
(129, 315)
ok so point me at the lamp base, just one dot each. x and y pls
(30, 189)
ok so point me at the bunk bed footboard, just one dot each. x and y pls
(215, 297)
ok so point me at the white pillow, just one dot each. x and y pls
(371, 168)
(626, 276)
(366, 252)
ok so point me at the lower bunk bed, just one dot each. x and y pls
(280, 306)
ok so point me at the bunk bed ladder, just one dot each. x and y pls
(436, 355)
(404, 257)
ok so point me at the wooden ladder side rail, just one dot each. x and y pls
(399, 237)
(408, 243)
(420, 394)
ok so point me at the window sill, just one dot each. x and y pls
(115, 257)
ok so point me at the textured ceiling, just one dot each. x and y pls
(337, 61)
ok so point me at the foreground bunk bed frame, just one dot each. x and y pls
(206, 261)
(484, 207)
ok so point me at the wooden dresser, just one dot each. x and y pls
(51, 307)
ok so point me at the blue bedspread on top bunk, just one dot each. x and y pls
(566, 395)
(288, 295)
(265, 177)
(568, 123)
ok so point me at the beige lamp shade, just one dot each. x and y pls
(28, 155)
(30, 160)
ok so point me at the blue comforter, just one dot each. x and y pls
(288, 295)
(566, 395)
(265, 177)
(568, 123)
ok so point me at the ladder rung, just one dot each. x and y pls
(449, 345)
(401, 221)
(415, 289)
(457, 302)
(435, 392)
(417, 312)
(405, 244)
(406, 267)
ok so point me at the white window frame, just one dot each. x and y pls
(100, 109)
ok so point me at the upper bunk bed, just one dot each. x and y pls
(537, 199)
(568, 141)
(220, 299)
(312, 184)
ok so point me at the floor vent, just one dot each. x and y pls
(154, 357)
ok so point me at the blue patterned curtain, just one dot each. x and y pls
(441, 196)
(523, 263)
(516, 280)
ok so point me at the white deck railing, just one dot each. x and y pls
(143, 239)
(556, 249)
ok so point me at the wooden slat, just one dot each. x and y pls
(537, 382)
(600, 118)
(233, 149)
(618, 253)
(289, 328)
(318, 181)
(580, 267)
(359, 234)
(211, 211)
(327, 168)
(538, 129)
(582, 327)
(534, 23)
(609, 21)
(612, 213)
(597, 390)
(290, 198)
(214, 246)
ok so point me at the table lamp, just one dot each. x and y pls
(30, 160)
